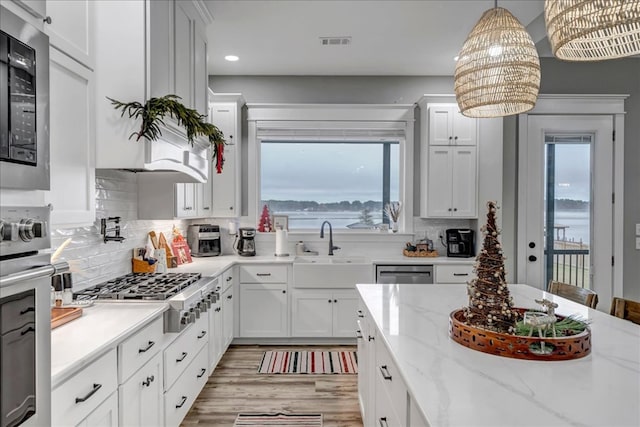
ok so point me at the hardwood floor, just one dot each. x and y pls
(236, 387)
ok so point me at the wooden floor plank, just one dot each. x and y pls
(236, 387)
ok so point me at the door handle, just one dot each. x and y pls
(26, 310)
(143, 350)
(385, 372)
(182, 401)
(26, 331)
(96, 387)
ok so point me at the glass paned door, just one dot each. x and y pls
(567, 208)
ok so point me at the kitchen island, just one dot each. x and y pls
(451, 385)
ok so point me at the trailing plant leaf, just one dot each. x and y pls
(570, 325)
(153, 112)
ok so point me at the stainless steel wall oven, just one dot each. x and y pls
(24, 104)
(25, 316)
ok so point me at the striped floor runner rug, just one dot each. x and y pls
(289, 420)
(309, 362)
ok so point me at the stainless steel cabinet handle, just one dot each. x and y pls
(182, 401)
(182, 358)
(143, 350)
(202, 334)
(383, 422)
(148, 381)
(359, 334)
(96, 387)
(201, 373)
(385, 372)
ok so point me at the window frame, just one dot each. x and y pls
(335, 122)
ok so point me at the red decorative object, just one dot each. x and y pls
(517, 346)
(219, 157)
(181, 251)
(264, 225)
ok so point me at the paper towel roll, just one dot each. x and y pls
(281, 242)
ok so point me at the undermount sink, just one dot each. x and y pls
(331, 272)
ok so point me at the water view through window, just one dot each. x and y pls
(567, 210)
(346, 183)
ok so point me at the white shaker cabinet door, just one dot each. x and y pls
(72, 140)
(141, 396)
(72, 29)
(312, 313)
(439, 182)
(464, 182)
(263, 310)
(345, 306)
(105, 415)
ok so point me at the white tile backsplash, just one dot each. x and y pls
(93, 261)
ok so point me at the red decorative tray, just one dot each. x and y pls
(517, 346)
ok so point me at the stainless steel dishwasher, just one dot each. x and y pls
(421, 274)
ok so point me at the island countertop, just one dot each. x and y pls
(456, 386)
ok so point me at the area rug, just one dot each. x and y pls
(290, 420)
(309, 362)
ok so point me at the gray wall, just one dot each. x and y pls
(613, 77)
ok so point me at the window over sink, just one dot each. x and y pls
(335, 162)
(345, 182)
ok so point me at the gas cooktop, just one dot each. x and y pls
(140, 286)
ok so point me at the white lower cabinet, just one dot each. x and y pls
(324, 312)
(416, 419)
(105, 415)
(215, 335)
(366, 334)
(140, 397)
(80, 395)
(263, 310)
(454, 273)
(227, 317)
(179, 398)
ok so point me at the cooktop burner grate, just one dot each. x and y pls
(140, 286)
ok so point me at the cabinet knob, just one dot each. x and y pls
(533, 258)
(335, 300)
(449, 209)
(230, 208)
(450, 138)
(284, 292)
(456, 138)
(47, 20)
(455, 209)
(329, 301)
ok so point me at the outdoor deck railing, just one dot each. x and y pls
(571, 266)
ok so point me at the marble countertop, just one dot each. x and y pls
(213, 266)
(457, 386)
(100, 328)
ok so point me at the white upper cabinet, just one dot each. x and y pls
(71, 29)
(447, 126)
(225, 187)
(449, 163)
(72, 141)
(154, 57)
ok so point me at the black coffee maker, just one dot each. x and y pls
(246, 245)
(460, 242)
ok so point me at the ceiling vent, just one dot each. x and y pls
(335, 41)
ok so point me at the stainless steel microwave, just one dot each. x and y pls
(24, 104)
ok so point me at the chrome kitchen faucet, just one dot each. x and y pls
(331, 247)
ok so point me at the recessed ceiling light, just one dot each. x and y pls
(231, 58)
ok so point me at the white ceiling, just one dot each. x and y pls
(388, 37)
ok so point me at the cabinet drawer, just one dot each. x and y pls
(388, 377)
(263, 274)
(138, 349)
(77, 397)
(460, 273)
(183, 350)
(179, 398)
(385, 414)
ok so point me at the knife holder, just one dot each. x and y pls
(142, 266)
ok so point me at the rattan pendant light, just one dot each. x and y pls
(593, 30)
(498, 70)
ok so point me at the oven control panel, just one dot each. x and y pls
(23, 229)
